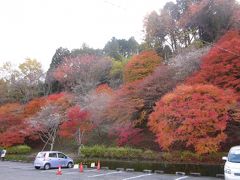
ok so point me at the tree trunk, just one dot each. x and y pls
(53, 140)
(79, 141)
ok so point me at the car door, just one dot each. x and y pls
(62, 159)
(53, 160)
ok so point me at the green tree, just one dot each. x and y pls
(116, 73)
(52, 85)
(121, 48)
(86, 50)
(25, 82)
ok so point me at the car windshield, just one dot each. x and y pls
(234, 156)
(41, 155)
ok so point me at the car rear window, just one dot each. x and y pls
(41, 155)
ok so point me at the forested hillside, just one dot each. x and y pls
(177, 90)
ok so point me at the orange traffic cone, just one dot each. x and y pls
(98, 165)
(59, 171)
(81, 168)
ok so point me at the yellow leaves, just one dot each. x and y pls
(30, 65)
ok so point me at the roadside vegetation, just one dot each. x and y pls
(173, 98)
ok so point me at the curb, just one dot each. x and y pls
(194, 174)
(130, 170)
(220, 176)
(147, 171)
(105, 168)
(119, 169)
(180, 173)
(159, 172)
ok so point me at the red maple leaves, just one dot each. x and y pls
(194, 116)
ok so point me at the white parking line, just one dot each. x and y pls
(77, 172)
(72, 173)
(135, 177)
(49, 171)
(90, 170)
(184, 177)
(105, 174)
(21, 167)
(16, 167)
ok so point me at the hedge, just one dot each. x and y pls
(100, 151)
(20, 149)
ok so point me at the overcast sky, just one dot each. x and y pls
(36, 28)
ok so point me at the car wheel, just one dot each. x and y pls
(47, 166)
(70, 165)
(37, 167)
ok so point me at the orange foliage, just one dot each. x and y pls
(34, 106)
(13, 129)
(105, 89)
(221, 66)
(125, 104)
(55, 97)
(141, 65)
(11, 109)
(194, 116)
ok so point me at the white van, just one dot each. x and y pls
(232, 165)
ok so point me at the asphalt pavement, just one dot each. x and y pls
(26, 171)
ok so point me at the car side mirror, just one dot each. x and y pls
(224, 158)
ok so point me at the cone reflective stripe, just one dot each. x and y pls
(98, 165)
(81, 168)
(59, 171)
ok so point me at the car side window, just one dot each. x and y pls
(54, 155)
(60, 155)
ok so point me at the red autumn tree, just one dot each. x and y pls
(221, 66)
(34, 106)
(141, 65)
(63, 100)
(125, 104)
(126, 134)
(77, 125)
(13, 129)
(193, 116)
(134, 101)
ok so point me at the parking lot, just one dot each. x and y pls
(26, 171)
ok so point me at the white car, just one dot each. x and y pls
(52, 159)
(232, 165)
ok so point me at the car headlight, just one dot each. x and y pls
(228, 171)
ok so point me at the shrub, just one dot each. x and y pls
(148, 154)
(116, 152)
(194, 117)
(190, 156)
(141, 65)
(20, 149)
